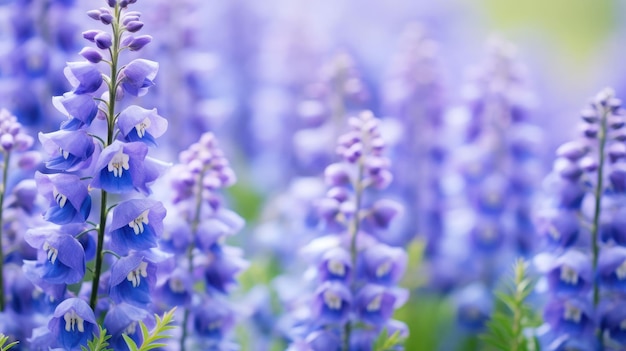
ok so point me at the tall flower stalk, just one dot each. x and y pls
(206, 268)
(84, 158)
(581, 226)
(355, 273)
(12, 139)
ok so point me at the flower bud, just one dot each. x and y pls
(90, 54)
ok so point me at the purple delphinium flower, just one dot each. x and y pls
(104, 153)
(61, 256)
(139, 124)
(69, 198)
(196, 236)
(413, 94)
(490, 180)
(136, 224)
(580, 222)
(71, 150)
(356, 274)
(121, 168)
(132, 280)
(13, 141)
(73, 323)
(124, 319)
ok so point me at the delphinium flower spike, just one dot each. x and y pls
(206, 268)
(100, 146)
(581, 226)
(414, 97)
(356, 275)
(498, 168)
(12, 139)
(298, 149)
(16, 201)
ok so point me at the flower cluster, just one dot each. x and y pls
(355, 274)
(204, 269)
(497, 164)
(99, 147)
(338, 92)
(31, 68)
(582, 232)
(17, 204)
(413, 95)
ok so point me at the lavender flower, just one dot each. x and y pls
(413, 94)
(73, 323)
(116, 162)
(356, 274)
(196, 238)
(581, 227)
(12, 140)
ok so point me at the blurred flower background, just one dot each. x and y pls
(472, 97)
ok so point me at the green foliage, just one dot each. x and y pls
(386, 342)
(505, 329)
(152, 340)
(3, 343)
(98, 343)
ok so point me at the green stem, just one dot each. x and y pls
(597, 206)
(110, 126)
(195, 222)
(596, 214)
(518, 341)
(5, 172)
(354, 230)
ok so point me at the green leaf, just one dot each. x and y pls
(153, 339)
(3, 343)
(505, 329)
(386, 342)
(99, 342)
(130, 342)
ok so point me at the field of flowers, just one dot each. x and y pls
(312, 176)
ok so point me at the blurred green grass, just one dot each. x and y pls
(578, 25)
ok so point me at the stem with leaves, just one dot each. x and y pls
(110, 116)
(506, 328)
(194, 228)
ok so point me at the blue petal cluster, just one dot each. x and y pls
(203, 268)
(355, 274)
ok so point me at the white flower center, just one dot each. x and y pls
(73, 322)
(554, 233)
(621, 271)
(374, 305)
(215, 325)
(488, 234)
(569, 275)
(176, 285)
(336, 267)
(135, 275)
(142, 126)
(51, 252)
(383, 269)
(332, 300)
(64, 153)
(118, 163)
(137, 223)
(59, 198)
(572, 313)
(131, 329)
